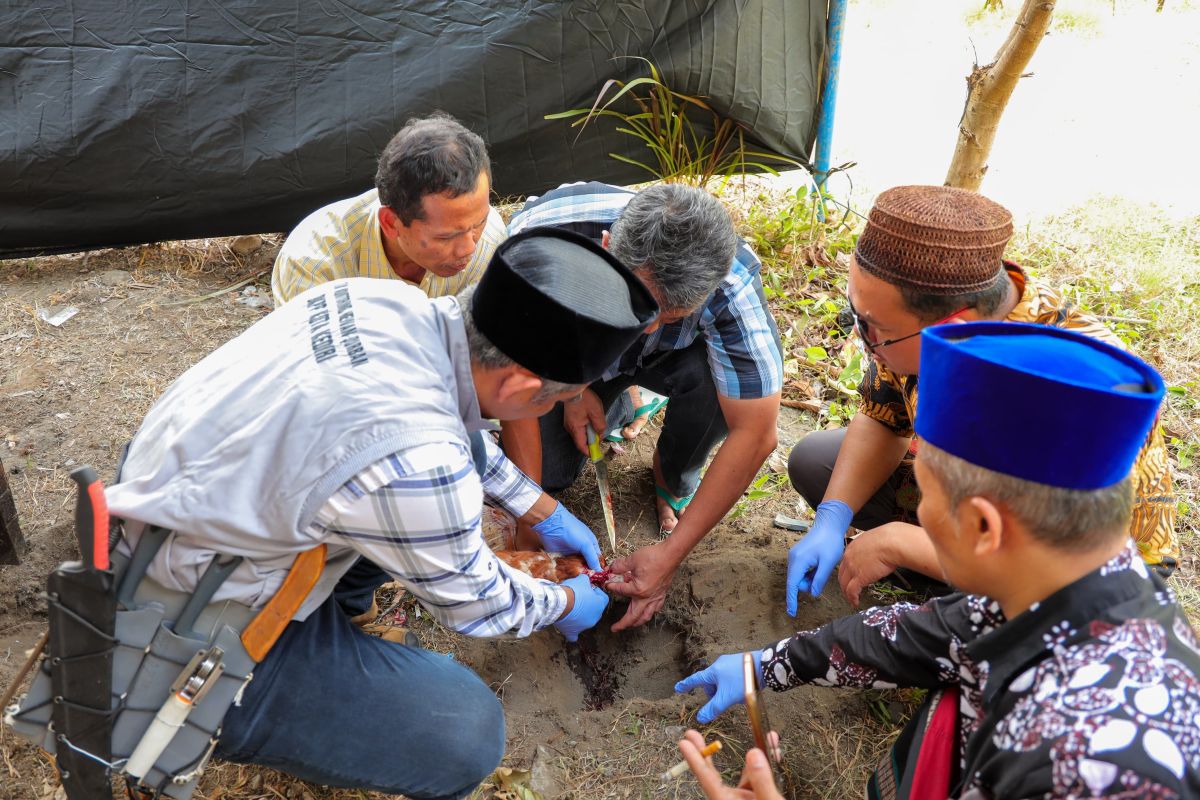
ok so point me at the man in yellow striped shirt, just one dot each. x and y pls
(428, 221)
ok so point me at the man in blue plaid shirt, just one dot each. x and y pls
(714, 351)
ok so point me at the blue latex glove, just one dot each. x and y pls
(722, 682)
(590, 602)
(562, 532)
(812, 559)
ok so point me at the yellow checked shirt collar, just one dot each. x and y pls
(373, 261)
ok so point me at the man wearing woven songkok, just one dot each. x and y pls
(932, 254)
(1063, 668)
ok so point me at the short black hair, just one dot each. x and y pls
(429, 155)
(933, 307)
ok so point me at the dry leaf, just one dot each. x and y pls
(513, 784)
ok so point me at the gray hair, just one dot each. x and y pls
(1068, 519)
(488, 356)
(429, 155)
(682, 235)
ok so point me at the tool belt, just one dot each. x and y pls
(174, 661)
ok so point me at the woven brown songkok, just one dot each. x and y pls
(935, 239)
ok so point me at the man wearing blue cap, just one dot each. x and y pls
(927, 255)
(1063, 667)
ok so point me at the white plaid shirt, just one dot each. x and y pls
(417, 515)
(744, 351)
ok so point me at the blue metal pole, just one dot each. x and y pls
(833, 63)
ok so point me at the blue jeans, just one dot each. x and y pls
(693, 423)
(334, 706)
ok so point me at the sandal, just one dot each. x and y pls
(644, 412)
(677, 505)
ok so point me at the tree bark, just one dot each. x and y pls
(12, 544)
(988, 91)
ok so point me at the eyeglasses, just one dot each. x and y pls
(864, 328)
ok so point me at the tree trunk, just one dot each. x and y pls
(988, 91)
(12, 544)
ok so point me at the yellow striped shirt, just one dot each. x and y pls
(342, 240)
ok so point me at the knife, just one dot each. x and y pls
(597, 457)
(83, 605)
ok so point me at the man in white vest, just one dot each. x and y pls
(319, 425)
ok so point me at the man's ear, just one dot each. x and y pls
(515, 381)
(985, 523)
(389, 222)
(604, 239)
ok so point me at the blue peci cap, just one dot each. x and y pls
(1036, 402)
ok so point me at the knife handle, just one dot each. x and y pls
(594, 451)
(91, 518)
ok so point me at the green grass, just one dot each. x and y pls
(684, 138)
(1138, 267)
(1083, 18)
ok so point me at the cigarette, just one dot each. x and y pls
(682, 767)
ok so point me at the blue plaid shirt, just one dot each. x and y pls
(417, 515)
(744, 352)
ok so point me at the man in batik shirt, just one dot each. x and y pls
(930, 254)
(1064, 668)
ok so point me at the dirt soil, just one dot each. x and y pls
(604, 715)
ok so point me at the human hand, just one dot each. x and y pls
(868, 558)
(757, 782)
(579, 413)
(647, 575)
(585, 611)
(562, 532)
(812, 559)
(724, 683)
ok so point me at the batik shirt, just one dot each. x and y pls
(1092, 692)
(891, 399)
(341, 240)
(744, 352)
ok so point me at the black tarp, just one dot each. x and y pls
(126, 122)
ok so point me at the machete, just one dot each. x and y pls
(597, 458)
(82, 611)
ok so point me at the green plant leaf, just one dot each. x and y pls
(816, 353)
(665, 122)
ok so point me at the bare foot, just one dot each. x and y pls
(631, 430)
(668, 517)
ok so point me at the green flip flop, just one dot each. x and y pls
(657, 401)
(648, 410)
(678, 505)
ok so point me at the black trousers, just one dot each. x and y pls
(810, 466)
(693, 424)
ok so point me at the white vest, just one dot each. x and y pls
(245, 447)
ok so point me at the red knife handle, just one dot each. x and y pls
(91, 518)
